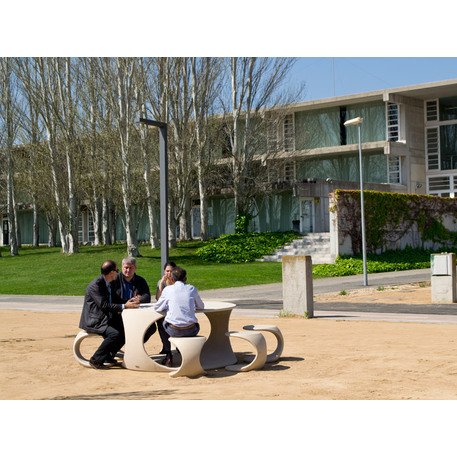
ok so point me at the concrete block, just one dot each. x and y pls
(443, 289)
(443, 282)
(297, 285)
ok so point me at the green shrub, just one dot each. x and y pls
(408, 259)
(244, 247)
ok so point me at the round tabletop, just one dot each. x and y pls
(216, 305)
(210, 306)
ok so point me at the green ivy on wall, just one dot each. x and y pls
(389, 216)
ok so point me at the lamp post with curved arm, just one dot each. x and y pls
(358, 122)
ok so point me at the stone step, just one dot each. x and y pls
(317, 245)
(316, 260)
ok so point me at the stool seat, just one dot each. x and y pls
(82, 335)
(258, 342)
(274, 356)
(190, 349)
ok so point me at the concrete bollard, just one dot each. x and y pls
(297, 285)
(443, 279)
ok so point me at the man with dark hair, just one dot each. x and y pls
(101, 314)
(179, 301)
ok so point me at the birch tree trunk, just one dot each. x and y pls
(151, 196)
(7, 112)
(125, 113)
(205, 86)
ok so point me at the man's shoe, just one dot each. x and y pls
(97, 365)
(111, 362)
(168, 361)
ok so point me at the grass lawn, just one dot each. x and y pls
(46, 271)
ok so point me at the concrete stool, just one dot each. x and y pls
(260, 346)
(82, 335)
(274, 356)
(190, 349)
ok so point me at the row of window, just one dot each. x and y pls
(441, 134)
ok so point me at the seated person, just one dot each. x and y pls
(127, 285)
(102, 315)
(179, 301)
(165, 280)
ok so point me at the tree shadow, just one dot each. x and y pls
(136, 395)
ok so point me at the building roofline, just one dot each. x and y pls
(423, 90)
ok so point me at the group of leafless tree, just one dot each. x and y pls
(70, 137)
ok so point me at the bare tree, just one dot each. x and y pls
(205, 87)
(170, 101)
(256, 86)
(145, 71)
(118, 75)
(8, 117)
(50, 84)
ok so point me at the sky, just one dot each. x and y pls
(333, 76)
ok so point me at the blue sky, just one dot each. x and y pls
(327, 77)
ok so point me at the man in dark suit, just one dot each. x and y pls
(101, 314)
(127, 285)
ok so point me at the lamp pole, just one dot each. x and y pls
(358, 122)
(163, 164)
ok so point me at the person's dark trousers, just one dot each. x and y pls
(182, 333)
(113, 340)
(164, 336)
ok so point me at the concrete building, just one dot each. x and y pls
(409, 144)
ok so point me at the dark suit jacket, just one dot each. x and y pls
(140, 287)
(98, 309)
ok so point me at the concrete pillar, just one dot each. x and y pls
(297, 285)
(443, 278)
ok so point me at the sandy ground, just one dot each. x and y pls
(322, 359)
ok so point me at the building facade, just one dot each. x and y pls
(409, 144)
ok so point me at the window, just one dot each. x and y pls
(448, 109)
(281, 171)
(394, 171)
(289, 133)
(448, 147)
(272, 136)
(281, 134)
(343, 119)
(432, 148)
(431, 110)
(436, 184)
(289, 171)
(393, 125)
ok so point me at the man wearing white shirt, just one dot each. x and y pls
(179, 301)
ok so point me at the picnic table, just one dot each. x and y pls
(217, 351)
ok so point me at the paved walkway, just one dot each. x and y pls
(266, 300)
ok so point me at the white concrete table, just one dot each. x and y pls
(217, 351)
(136, 322)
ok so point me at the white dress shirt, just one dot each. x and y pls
(179, 301)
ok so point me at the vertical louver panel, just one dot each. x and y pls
(289, 133)
(431, 110)
(393, 125)
(394, 170)
(432, 147)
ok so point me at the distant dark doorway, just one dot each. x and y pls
(6, 233)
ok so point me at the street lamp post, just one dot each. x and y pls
(358, 122)
(163, 164)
